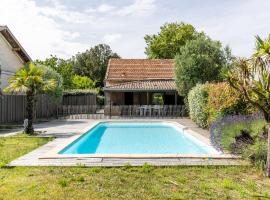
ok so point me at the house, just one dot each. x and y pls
(137, 81)
(12, 55)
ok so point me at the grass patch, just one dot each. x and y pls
(13, 147)
(146, 182)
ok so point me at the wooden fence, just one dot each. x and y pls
(83, 99)
(13, 107)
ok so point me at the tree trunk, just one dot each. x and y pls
(29, 110)
(268, 152)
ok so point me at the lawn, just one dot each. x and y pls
(123, 183)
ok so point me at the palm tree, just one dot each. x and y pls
(29, 79)
(251, 77)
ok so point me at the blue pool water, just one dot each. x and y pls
(136, 138)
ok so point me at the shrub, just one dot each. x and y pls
(82, 82)
(100, 100)
(80, 91)
(211, 101)
(50, 73)
(158, 99)
(223, 100)
(197, 102)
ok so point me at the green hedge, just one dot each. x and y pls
(197, 102)
(80, 91)
(211, 101)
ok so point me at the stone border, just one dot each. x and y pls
(53, 154)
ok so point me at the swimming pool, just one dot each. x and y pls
(137, 138)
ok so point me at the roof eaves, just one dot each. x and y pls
(135, 90)
(7, 34)
(107, 71)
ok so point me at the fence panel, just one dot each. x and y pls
(13, 108)
(87, 99)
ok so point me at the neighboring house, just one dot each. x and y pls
(136, 81)
(12, 55)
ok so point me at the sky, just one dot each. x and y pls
(66, 27)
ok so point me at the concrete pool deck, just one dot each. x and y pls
(64, 130)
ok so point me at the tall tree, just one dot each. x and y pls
(201, 60)
(30, 80)
(251, 78)
(93, 62)
(168, 42)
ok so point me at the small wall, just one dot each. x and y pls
(115, 98)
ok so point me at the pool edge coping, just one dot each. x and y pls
(54, 152)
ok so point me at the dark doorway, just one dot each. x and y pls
(169, 99)
(128, 98)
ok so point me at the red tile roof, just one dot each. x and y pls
(144, 85)
(139, 69)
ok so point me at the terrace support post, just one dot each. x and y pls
(175, 98)
(147, 98)
(110, 109)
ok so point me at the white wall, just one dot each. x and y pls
(9, 61)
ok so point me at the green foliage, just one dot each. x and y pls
(158, 99)
(63, 67)
(197, 104)
(80, 91)
(82, 82)
(254, 128)
(168, 42)
(254, 149)
(30, 78)
(50, 73)
(222, 101)
(201, 60)
(256, 152)
(251, 78)
(211, 101)
(93, 62)
(100, 100)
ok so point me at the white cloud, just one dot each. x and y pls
(112, 38)
(138, 8)
(238, 26)
(103, 8)
(64, 28)
(62, 12)
(40, 34)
